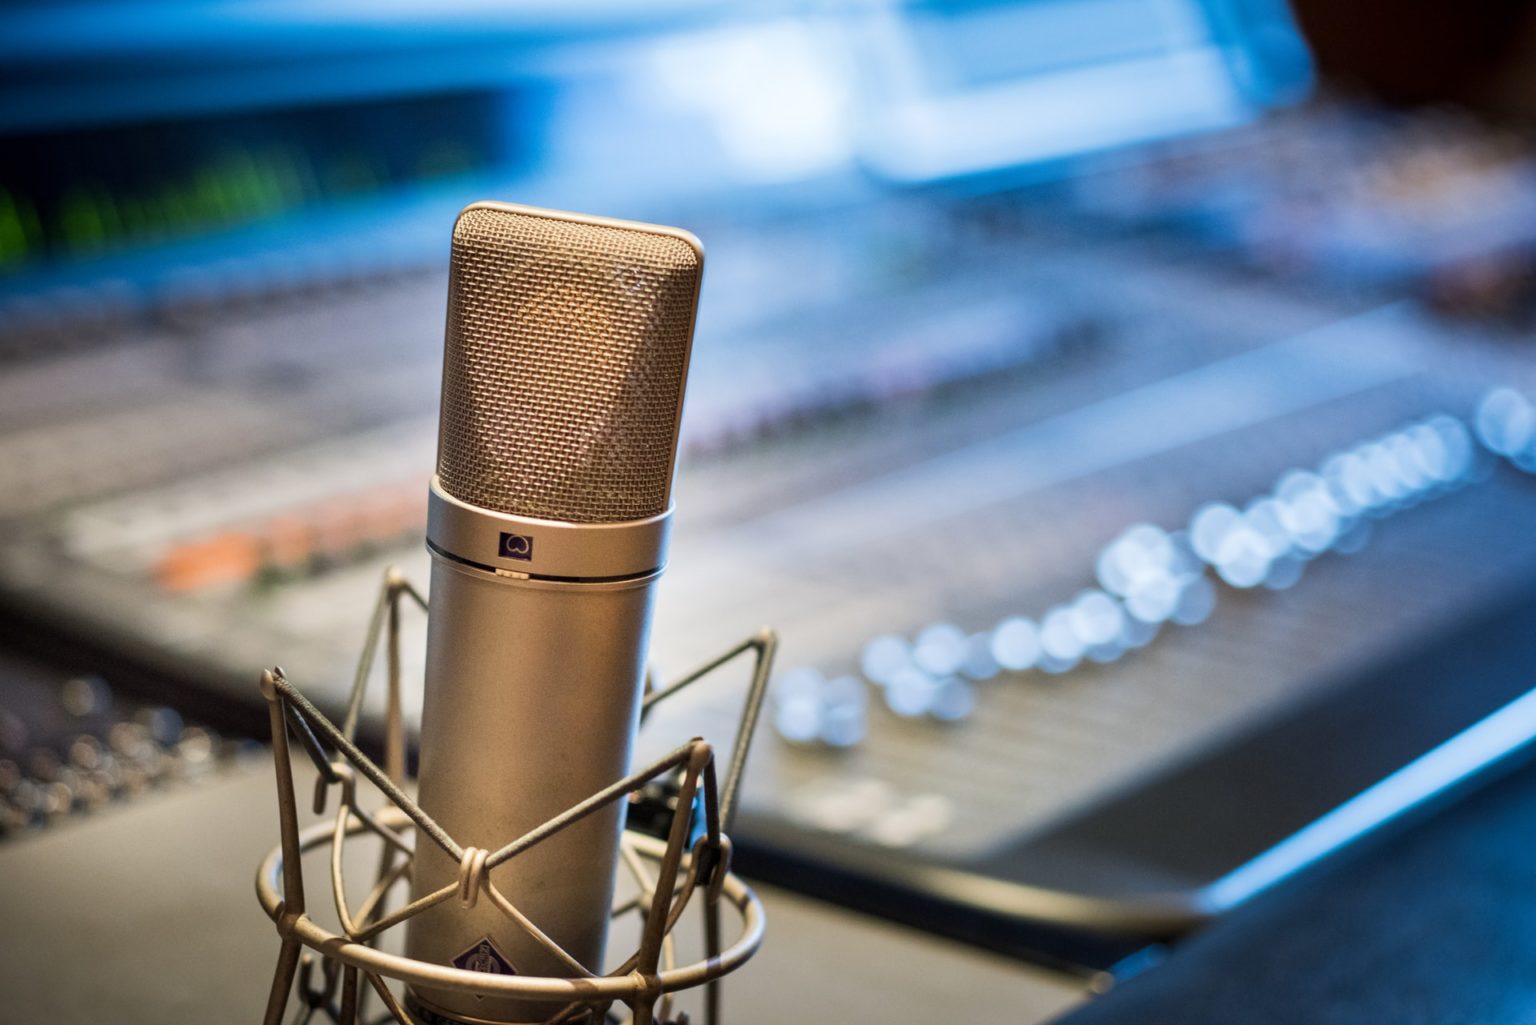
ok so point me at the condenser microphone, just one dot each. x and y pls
(567, 349)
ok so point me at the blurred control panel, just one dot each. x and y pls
(1048, 486)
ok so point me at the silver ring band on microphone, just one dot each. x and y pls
(545, 549)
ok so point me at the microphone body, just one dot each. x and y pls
(567, 348)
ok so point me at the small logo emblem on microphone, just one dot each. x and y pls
(516, 546)
(484, 957)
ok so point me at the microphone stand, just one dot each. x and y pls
(688, 858)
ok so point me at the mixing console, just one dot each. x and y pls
(69, 745)
(1040, 509)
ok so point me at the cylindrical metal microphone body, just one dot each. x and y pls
(567, 350)
(533, 681)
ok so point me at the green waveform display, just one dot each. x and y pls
(75, 195)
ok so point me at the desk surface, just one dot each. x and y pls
(1434, 925)
(92, 929)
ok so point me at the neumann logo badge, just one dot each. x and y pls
(516, 546)
(484, 957)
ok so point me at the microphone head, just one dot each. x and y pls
(567, 350)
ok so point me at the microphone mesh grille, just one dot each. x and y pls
(567, 350)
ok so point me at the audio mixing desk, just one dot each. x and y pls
(1103, 570)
